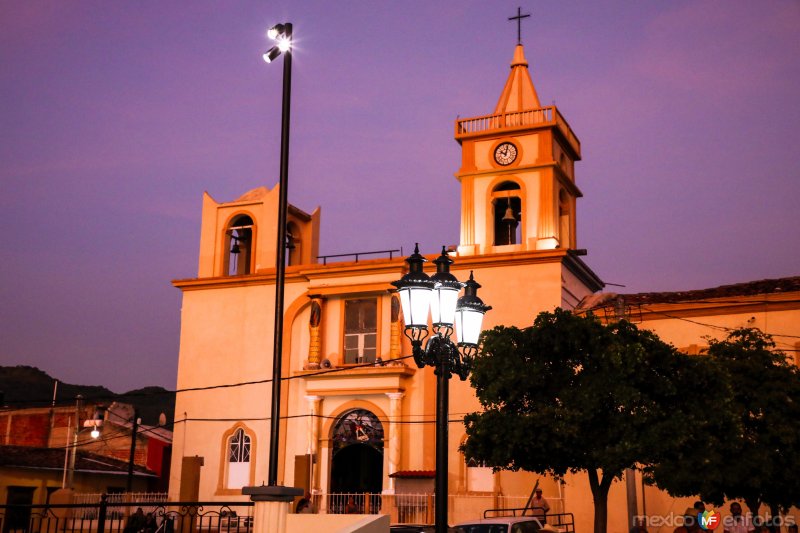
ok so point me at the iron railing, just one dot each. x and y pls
(418, 508)
(545, 116)
(357, 254)
(112, 514)
(121, 517)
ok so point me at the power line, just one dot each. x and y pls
(713, 326)
(387, 362)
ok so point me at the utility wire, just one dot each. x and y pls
(387, 362)
(713, 326)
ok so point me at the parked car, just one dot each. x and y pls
(416, 528)
(503, 524)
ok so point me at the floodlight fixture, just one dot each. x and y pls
(272, 54)
(276, 31)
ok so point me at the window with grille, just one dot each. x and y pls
(238, 460)
(360, 331)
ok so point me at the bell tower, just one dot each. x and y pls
(517, 173)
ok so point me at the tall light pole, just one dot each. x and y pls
(282, 33)
(273, 493)
(439, 294)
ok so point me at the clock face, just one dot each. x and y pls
(505, 153)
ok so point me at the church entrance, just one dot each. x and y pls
(357, 465)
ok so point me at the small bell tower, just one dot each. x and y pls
(517, 172)
(238, 238)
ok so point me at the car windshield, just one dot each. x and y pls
(482, 528)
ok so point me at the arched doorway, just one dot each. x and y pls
(357, 464)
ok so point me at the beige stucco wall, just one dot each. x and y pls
(226, 337)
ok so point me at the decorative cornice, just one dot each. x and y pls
(315, 273)
(358, 371)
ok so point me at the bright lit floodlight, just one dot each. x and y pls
(275, 31)
(272, 54)
(284, 44)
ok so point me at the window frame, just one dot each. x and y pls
(379, 301)
(223, 488)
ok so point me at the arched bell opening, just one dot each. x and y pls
(238, 248)
(293, 244)
(507, 213)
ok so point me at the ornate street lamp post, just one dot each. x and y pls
(420, 293)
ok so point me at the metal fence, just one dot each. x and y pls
(148, 501)
(124, 517)
(117, 513)
(419, 508)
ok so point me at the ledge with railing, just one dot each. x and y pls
(545, 116)
(356, 255)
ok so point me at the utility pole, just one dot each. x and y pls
(71, 469)
(134, 431)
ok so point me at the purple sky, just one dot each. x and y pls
(116, 116)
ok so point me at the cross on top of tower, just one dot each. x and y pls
(519, 18)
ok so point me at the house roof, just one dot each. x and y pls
(53, 459)
(750, 288)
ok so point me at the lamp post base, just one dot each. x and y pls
(272, 504)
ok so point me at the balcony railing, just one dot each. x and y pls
(545, 116)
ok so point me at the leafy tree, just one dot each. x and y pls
(757, 458)
(570, 394)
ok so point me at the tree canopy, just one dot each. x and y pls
(755, 459)
(570, 394)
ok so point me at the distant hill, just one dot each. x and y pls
(27, 386)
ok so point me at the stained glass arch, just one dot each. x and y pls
(358, 426)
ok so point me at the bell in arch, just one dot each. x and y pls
(507, 230)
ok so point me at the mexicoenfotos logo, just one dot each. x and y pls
(708, 520)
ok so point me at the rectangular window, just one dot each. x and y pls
(360, 331)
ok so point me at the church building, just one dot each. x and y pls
(368, 426)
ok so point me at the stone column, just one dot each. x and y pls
(546, 231)
(396, 328)
(313, 438)
(395, 412)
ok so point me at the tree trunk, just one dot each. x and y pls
(753, 503)
(775, 513)
(600, 488)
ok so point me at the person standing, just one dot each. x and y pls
(539, 504)
(736, 522)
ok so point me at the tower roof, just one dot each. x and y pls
(519, 93)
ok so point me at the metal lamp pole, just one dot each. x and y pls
(280, 261)
(439, 293)
(272, 492)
